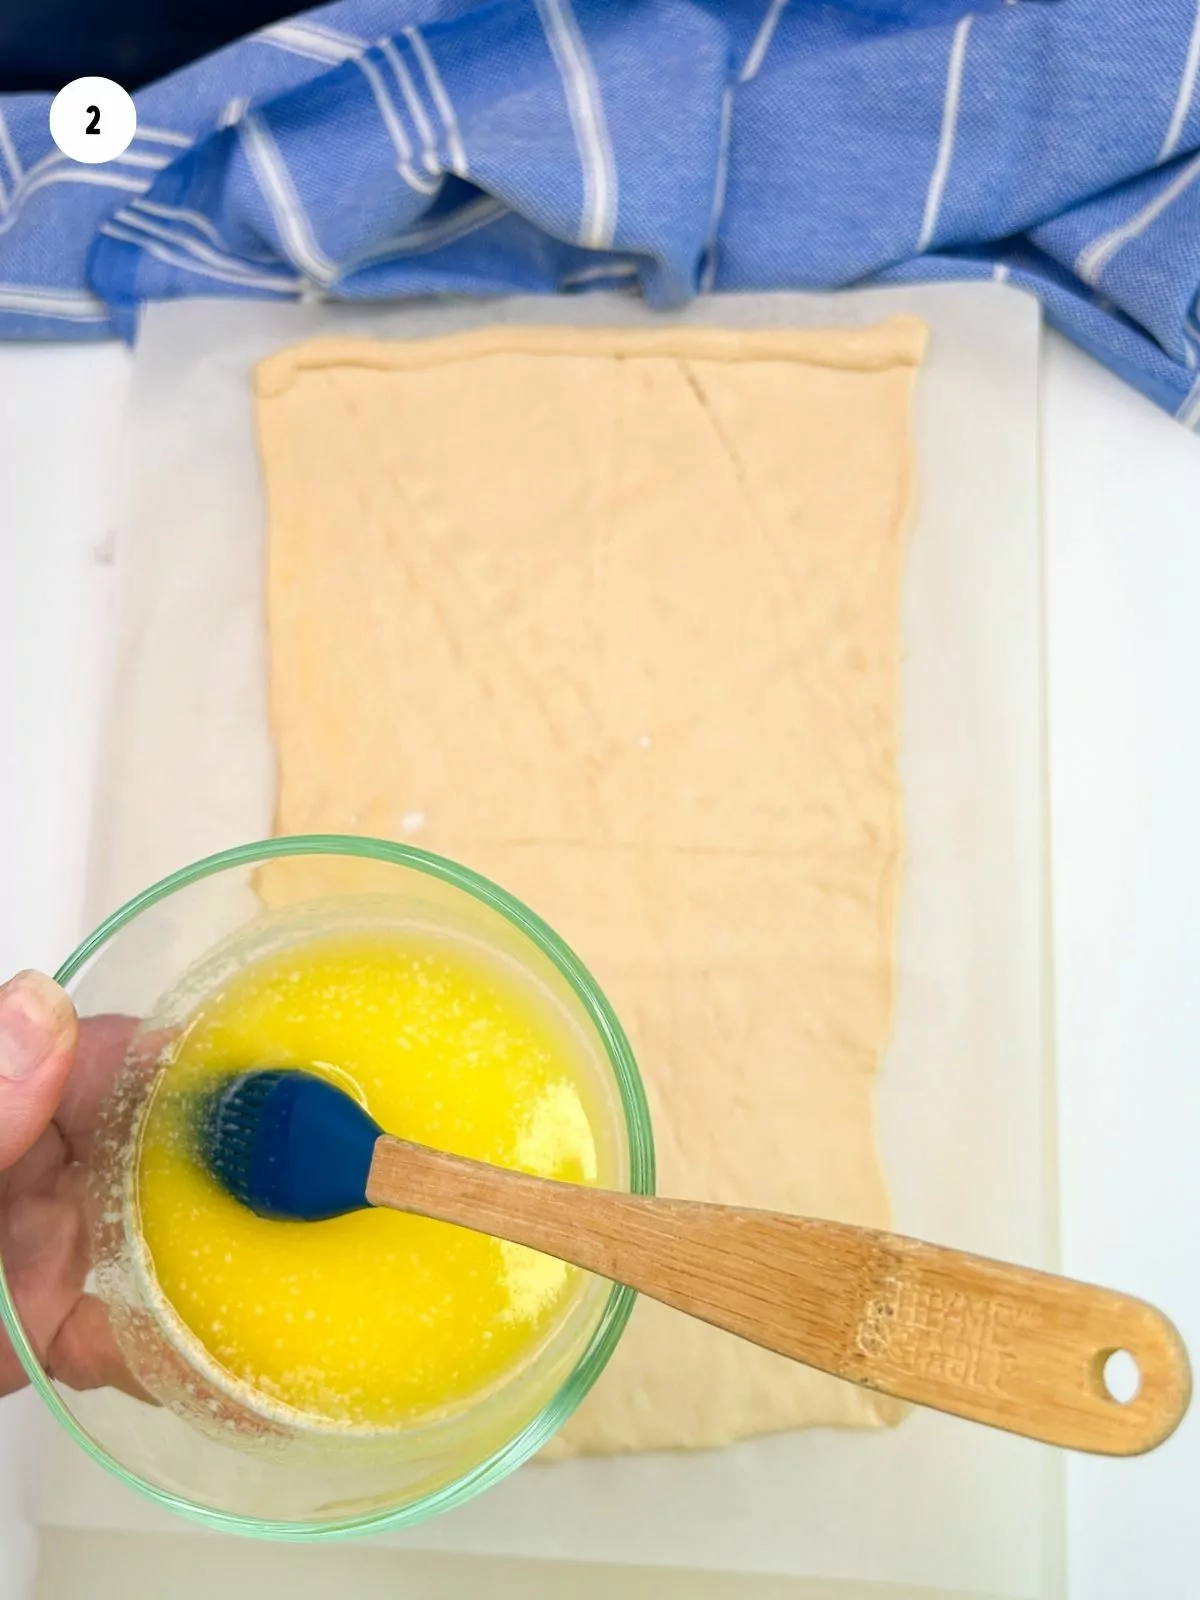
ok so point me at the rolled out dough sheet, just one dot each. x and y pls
(614, 616)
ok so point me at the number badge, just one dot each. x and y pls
(92, 120)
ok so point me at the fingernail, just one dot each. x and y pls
(34, 1015)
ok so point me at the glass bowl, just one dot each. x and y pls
(201, 1451)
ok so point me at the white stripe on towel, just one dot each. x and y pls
(762, 41)
(338, 38)
(307, 39)
(68, 173)
(175, 258)
(278, 190)
(194, 219)
(586, 109)
(8, 151)
(221, 259)
(1189, 411)
(416, 110)
(709, 276)
(1091, 262)
(1187, 87)
(454, 144)
(945, 154)
(600, 273)
(182, 141)
(395, 128)
(71, 305)
(139, 158)
(954, 79)
(427, 236)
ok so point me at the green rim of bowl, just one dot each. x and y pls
(620, 1302)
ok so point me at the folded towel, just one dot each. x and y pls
(379, 148)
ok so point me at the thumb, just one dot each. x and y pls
(38, 1034)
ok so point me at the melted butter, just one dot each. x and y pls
(374, 1319)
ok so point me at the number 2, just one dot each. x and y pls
(94, 125)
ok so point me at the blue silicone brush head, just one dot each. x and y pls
(287, 1144)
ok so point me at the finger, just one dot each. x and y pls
(38, 1033)
(103, 1044)
(40, 1241)
(84, 1354)
(38, 1170)
(12, 1374)
(44, 1263)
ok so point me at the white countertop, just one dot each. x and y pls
(1122, 519)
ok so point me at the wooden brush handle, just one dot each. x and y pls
(1004, 1345)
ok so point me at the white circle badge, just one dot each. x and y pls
(92, 120)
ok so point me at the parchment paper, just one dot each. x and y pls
(937, 1506)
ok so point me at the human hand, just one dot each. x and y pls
(54, 1071)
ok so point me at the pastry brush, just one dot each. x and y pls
(990, 1342)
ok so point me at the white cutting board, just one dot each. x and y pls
(937, 1507)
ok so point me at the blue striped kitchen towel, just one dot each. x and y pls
(378, 148)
